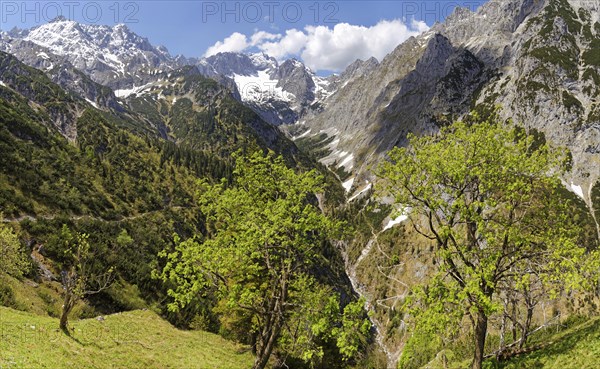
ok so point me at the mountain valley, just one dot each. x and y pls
(109, 135)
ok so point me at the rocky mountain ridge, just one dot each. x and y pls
(537, 59)
(280, 92)
(112, 56)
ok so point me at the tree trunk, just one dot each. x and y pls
(480, 335)
(66, 309)
(502, 333)
(514, 320)
(526, 326)
(273, 326)
(261, 360)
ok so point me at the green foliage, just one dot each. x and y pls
(564, 51)
(311, 326)
(558, 9)
(486, 199)
(595, 198)
(203, 164)
(264, 237)
(12, 258)
(202, 117)
(316, 146)
(7, 296)
(553, 55)
(126, 178)
(79, 276)
(419, 350)
(124, 239)
(575, 346)
(112, 173)
(351, 336)
(437, 311)
(128, 296)
(590, 74)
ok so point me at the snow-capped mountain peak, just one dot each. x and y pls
(281, 92)
(111, 55)
(263, 61)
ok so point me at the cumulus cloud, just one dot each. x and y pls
(324, 48)
(235, 43)
(261, 36)
(289, 45)
(334, 49)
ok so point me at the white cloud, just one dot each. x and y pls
(291, 44)
(334, 49)
(420, 26)
(259, 37)
(235, 43)
(324, 48)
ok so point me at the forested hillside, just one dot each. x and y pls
(126, 178)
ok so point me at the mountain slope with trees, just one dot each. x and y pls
(118, 165)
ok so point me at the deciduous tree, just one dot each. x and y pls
(78, 277)
(487, 196)
(264, 241)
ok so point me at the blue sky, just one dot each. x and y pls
(191, 27)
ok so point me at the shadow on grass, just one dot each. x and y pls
(560, 344)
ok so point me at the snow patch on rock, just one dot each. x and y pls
(576, 189)
(92, 103)
(399, 219)
(348, 184)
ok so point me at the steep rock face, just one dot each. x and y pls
(416, 91)
(436, 91)
(538, 59)
(295, 79)
(550, 83)
(230, 63)
(542, 62)
(350, 113)
(60, 71)
(75, 81)
(57, 109)
(357, 68)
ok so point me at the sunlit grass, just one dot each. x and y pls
(577, 347)
(136, 339)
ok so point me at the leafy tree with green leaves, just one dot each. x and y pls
(263, 242)
(12, 258)
(488, 197)
(79, 277)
